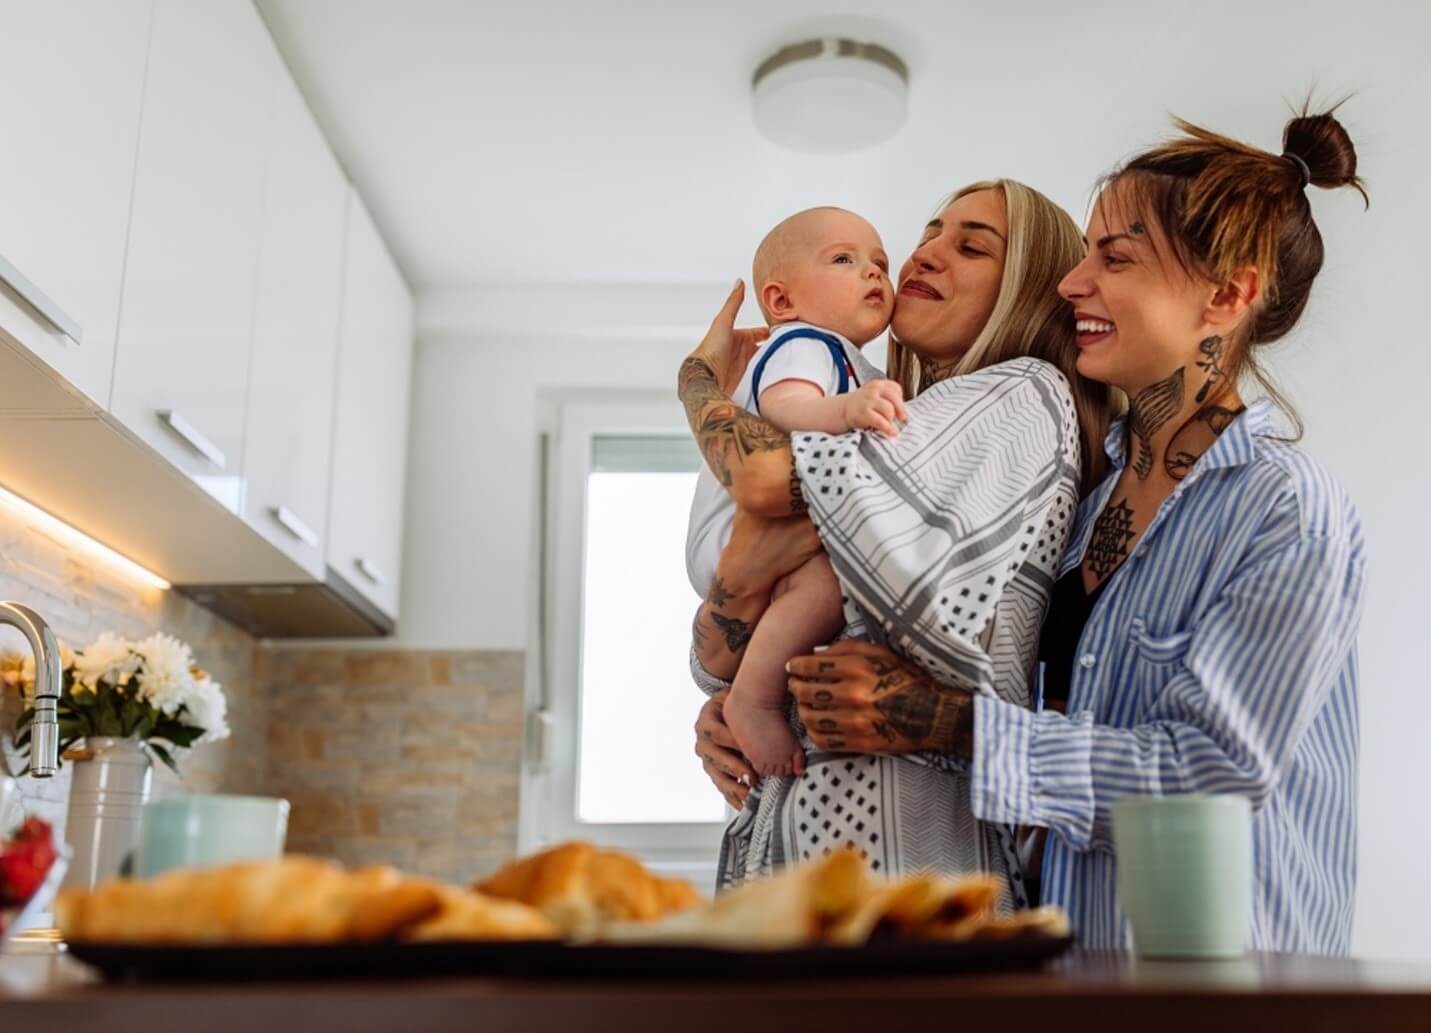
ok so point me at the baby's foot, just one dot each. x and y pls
(765, 737)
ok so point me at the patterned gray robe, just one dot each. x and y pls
(946, 540)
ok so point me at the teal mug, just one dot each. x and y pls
(203, 831)
(1185, 874)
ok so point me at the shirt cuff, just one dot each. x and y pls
(705, 681)
(1032, 768)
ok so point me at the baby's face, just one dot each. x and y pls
(838, 278)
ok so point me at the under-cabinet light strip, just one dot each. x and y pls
(59, 529)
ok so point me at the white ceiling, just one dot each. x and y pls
(591, 142)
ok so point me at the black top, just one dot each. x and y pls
(1068, 612)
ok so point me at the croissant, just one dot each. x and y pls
(581, 888)
(289, 901)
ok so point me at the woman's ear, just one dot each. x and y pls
(1231, 301)
(776, 302)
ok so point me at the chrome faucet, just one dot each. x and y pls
(45, 728)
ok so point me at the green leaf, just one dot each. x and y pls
(163, 755)
(182, 736)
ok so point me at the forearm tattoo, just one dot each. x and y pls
(718, 595)
(798, 504)
(1211, 348)
(698, 632)
(736, 631)
(1151, 408)
(1108, 545)
(725, 433)
(1195, 437)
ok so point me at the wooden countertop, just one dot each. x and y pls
(1085, 991)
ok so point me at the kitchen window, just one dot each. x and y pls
(612, 757)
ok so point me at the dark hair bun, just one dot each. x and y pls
(1324, 144)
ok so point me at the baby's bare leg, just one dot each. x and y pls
(804, 612)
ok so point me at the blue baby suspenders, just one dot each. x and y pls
(837, 354)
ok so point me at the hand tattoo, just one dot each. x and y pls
(891, 674)
(1108, 547)
(737, 632)
(929, 716)
(725, 433)
(1195, 437)
(1211, 348)
(1151, 408)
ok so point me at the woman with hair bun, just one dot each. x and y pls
(1202, 631)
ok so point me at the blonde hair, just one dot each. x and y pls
(1029, 316)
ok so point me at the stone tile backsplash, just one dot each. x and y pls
(389, 756)
(408, 758)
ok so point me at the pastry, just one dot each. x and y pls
(581, 888)
(467, 915)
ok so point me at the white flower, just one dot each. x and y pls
(108, 658)
(207, 709)
(166, 681)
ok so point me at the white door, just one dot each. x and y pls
(370, 426)
(289, 430)
(181, 370)
(613, 761)
(71, 84)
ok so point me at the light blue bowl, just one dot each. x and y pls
(203, 831)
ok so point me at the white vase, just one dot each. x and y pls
(107, 792)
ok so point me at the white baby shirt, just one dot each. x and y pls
(794, 351)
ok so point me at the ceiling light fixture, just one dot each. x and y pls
(827, 96)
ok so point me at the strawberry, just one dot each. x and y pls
(24, 862)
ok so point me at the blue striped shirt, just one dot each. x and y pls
(1221, 658)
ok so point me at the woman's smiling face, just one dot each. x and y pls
(948, 287)
(1139, 314)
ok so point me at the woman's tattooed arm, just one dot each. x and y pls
(750, 456)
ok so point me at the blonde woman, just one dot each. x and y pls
(945, 538)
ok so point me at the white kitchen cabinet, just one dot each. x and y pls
(289, 429)
(181, 365)
(71, 86)
(370, 426)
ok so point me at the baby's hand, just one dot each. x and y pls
(879, 405)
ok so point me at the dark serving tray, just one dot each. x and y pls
(553, 960)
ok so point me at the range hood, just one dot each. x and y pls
(332, 609)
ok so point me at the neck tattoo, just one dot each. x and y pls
(1211, 349)
(1197, 436)
(932, 371)
(1151, 408)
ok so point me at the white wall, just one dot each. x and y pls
(470, 497)
(1359, 368)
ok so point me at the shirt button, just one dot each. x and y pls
(1087, 660)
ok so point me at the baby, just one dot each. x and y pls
(822, 280)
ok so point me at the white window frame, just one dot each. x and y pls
(549, 780)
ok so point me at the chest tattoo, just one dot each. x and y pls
(1108, 546)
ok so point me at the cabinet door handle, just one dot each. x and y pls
(190, 435)
(372, 573)
(291, 523)
(37, 300)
